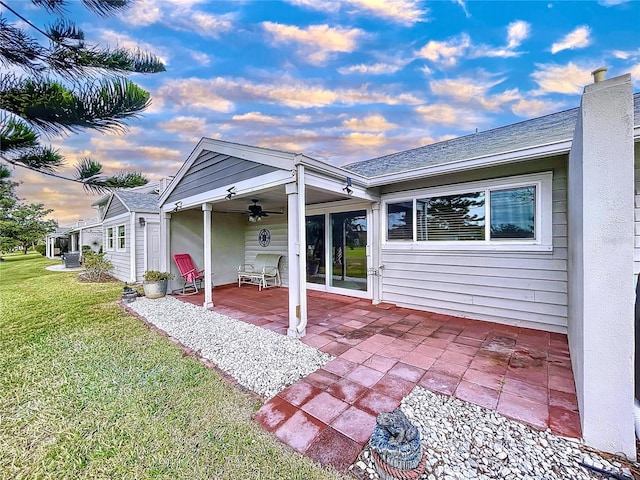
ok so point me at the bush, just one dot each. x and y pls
(86, 249)
(41, 249)
(97, 267)
(156, 276)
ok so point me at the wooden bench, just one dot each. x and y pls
(263, 272)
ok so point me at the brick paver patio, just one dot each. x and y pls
(383, 351)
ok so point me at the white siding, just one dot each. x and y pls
(140, 247)
(121, 260)
(277, 226)
(518, 288)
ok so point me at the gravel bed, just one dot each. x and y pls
(263, 361)
(465, 441)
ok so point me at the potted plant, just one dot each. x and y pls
(155, 283)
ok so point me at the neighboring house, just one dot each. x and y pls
(131, 230)
(529, 225)
(73, 238)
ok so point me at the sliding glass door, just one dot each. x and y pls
(337, 250)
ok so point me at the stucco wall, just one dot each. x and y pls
(601, 283)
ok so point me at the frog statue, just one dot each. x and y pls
(400, 429)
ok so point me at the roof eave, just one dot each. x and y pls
(548, 150)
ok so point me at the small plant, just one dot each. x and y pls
(157, 276)
(97, 267)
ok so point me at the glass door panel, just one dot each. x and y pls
(316, 265)
(349, 250)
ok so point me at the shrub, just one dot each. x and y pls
(41, 249)
(86, 249)
(97, 267)
(157, 276)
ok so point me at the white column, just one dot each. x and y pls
(165, 242)
(376, 280)
(293, 257)
(302, 248)
(600, 265)
(208, 273)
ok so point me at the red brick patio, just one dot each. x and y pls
(383, 351)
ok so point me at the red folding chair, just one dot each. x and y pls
(189, 272)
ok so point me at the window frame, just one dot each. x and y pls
(122, 248)
(543, 240)
(110, 240)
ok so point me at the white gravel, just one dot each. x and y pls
(259, 359)
(465, 441)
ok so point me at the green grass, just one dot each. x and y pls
(86, 391)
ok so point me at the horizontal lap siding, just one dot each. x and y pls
(212, 170)
(517, 288)
(121, 260)
(277, 226)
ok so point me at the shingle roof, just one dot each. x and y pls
(139, 202)
(539, 131)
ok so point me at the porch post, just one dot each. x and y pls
(208, 297)
(74, 247)
(375, 253)
(165, 245)
(293, 254)
(302, 250)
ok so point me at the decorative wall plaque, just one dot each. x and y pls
(264, 237)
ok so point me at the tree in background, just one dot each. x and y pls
(25, 225)
(67, 86)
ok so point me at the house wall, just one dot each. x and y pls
(227, 243)
(601, 297)
(121, 260)
(511, 287)
(636, 252)
(277, 226)
(212, 170)
(227, 246)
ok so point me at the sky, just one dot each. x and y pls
(338, 80)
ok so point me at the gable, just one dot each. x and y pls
(213, 170)
(116, 207)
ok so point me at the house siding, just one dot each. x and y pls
(212, 170)
(121, 260)
(140, 253)
(277, 226)
(115, 208)
(518, 288)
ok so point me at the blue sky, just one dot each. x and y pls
(340, 81)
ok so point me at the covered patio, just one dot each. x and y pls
(383, 351)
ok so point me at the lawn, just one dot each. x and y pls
(86, 391)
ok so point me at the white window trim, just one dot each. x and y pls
(544, 216)
(112, 247)
(117, 237)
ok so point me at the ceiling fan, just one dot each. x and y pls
(256, 212)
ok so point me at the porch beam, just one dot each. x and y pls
(208, 286)
(338, 186)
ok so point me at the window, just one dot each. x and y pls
(451, 217)
(513, 213)
(496, 212)
(400, 221)
(121, 240)
(110, 239)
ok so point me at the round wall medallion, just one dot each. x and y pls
(264, 238)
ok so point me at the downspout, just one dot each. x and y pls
(302, 237)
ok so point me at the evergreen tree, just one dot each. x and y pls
(66, 86)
